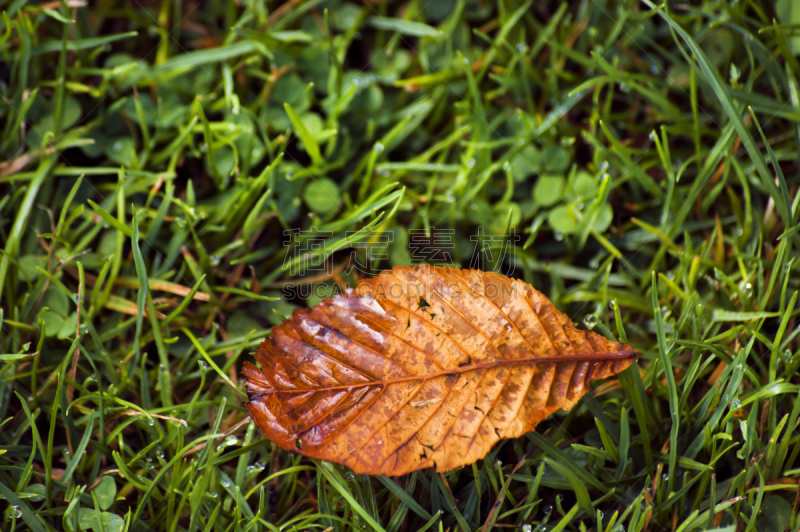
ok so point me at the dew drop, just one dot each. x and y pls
(151, 422)
(653, 136)
(603, 166)
(378, 148)
(506, 166)
(213, 494)
(589, 321)
(259, 466)
(349, 475)
(736, 404)
(225, 483)
(522, 47)
(215, 260)
(548, 508)
(250, 469)
(16, 512)
(600, 514)
(470, 162)
(558, 235)
(231, 440)
(526, 528)
(160, 455)
(735, 73)
(567, 141)
(203, 365)
(220, 448)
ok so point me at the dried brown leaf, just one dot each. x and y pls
(422, 367)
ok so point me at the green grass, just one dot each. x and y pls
(155, 156)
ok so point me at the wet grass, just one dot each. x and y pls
(168, 170)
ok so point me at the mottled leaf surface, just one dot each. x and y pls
(422, 367)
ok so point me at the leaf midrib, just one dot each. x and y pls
(627, 354)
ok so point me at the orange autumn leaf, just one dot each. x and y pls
(422, 367)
